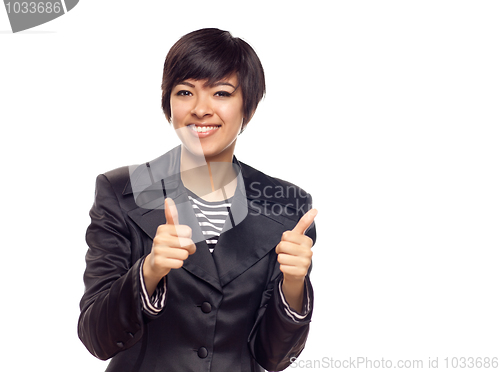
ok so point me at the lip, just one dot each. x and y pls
(206, 133)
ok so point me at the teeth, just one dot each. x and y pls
(202, 129)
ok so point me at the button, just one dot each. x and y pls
(202, 352)
(119, 344)
(206, 307)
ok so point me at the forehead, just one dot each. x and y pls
(231, 80)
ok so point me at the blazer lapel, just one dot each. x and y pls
(242, 246)
(252, 232)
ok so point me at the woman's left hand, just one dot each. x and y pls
(294, 255)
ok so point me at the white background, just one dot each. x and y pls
(387, 112)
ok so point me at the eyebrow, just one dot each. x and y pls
(219, 83)
(186, 83)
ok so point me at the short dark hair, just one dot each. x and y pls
(214, 54)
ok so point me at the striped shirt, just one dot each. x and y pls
(153, 305)
(211, 217)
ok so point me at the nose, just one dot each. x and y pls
(202, 107)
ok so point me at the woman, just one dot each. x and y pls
(198, 262)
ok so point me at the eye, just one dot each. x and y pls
(222, 93)
(183, 93)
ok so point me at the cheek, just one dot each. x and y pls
(177, 113)
(232, 115)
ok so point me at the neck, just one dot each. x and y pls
(210, 178)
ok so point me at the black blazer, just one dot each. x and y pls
(223, 311)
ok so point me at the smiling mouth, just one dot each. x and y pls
(203, 128)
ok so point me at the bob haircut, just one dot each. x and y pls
(214, 54)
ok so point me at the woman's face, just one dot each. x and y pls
(208, 119)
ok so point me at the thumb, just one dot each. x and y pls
(306, 221)
(171, 214)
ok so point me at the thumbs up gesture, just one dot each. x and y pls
(172, 244)
(294, 255)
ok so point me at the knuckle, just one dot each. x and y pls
(184, 254)
(184, 231)
(282, 246)
(158, 240)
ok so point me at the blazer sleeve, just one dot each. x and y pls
(111, 317)
(276, 337)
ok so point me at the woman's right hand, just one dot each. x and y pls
(172, 244)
